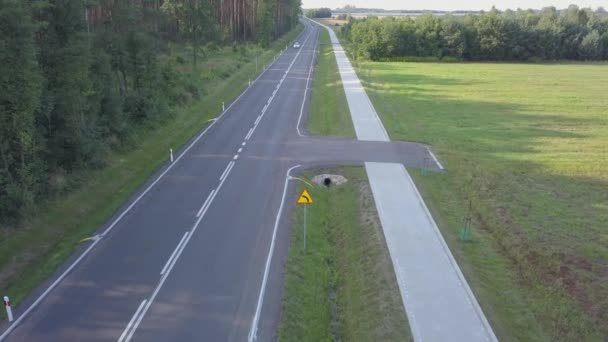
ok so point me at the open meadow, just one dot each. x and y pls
(526, 152)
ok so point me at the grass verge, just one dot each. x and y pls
(343, 287)
(329, 114)
(525, 149)
(30, 254)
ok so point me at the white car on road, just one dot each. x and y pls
(296, 45)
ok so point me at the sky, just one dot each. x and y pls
(451, 5)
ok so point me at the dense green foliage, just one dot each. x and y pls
(319, 13)
(78, 77)
(573, 34)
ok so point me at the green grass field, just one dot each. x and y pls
(527, 146)
(329, 114)
(343, 287)
(29, 255)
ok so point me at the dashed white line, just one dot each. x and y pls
(258, 119)
(240, 150)
(173, 254)
(244, 143)
(236, 156)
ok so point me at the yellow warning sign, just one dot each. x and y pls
(305, 198)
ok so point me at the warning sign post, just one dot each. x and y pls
(305, 199)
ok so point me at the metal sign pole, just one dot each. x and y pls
(305, 205)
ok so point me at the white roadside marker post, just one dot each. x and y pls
(9, 311)
(223, 107)
(171, 154)
(250, 82)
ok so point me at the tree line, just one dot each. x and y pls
(78, 77)
(323, 12)
(522, 35)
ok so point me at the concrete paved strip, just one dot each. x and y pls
(438, 301)
(367, 123)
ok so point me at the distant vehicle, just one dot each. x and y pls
(296, 45)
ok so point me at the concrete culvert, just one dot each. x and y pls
(329, 180)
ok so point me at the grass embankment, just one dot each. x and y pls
(526, 144)
(329, 113)
(343, 287)
(28, 256)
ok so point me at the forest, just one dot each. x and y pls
(522, 35)
(77, 78)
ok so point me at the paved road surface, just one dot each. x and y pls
(197, 253)
(437, 299)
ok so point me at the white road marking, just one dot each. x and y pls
(173, 254)
(226, 170)
(173, 262)
(312, 62)
(278, 87)
(249, 134)
(435, 158)
(88, 250)
(240, 150)
(128, 328)
(244, 143)
(236, 156)
(254, 324)
(258, 119)
(200, 211)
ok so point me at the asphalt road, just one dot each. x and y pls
(197, 253)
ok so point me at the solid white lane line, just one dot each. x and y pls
(254, 325)
(312, 62)
(226, 170)
(128, 328)
(435, 158)
(205, 203)
(258, 119)
(249, 134)
(173, 254)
